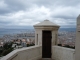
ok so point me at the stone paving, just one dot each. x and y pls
(45, 59)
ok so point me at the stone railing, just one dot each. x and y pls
(29, 53)
(35, 53)
(62, 53)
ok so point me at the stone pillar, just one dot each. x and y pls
(77, 42)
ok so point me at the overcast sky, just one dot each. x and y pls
(22, 13)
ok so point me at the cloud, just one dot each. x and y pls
(29, 12)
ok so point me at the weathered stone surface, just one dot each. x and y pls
(77, 42)
(31, 53)
(62, 53)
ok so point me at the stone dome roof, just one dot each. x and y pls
(46, 23)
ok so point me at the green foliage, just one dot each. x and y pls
(59, 44)
(7, 48)
(67, 46)
(5, 52)
(30, 45)
(7, 45)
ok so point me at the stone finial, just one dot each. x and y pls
(46, 20)
(78, 17)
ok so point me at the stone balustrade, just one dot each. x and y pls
(35, 53)
(62, 53)
(29, 53)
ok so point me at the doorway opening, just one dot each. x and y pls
(46, 44)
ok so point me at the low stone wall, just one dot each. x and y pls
(35, 52)
(62, 53)
(29, 53)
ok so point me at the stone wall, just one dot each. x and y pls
(62, 53)
(29, 53)
(35, 52)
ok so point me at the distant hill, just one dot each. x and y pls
(31, 27)
(67, 29)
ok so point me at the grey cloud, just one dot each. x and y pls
(4, 11)
(65, 17)
(14, 6)
(55, 3)
(70, 2)
(5, 23)
(64, 11)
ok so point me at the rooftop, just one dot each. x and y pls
(46, 23)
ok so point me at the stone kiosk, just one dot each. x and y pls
(46, 35)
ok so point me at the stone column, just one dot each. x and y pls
(77, 43)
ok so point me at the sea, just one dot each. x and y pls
(14, 31)
(18, 31)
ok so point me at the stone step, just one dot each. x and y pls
(46, 59)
